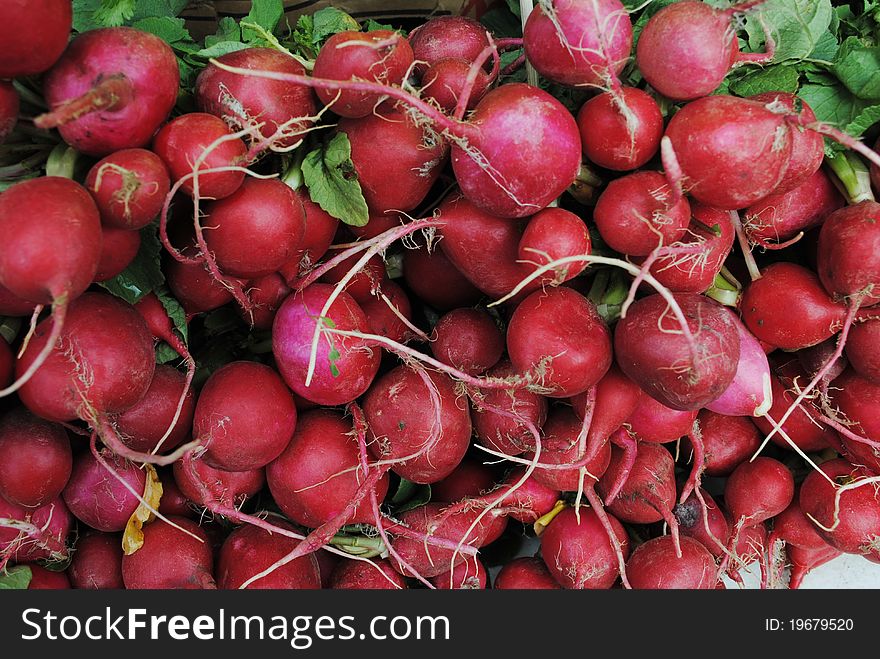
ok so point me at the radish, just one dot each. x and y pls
(256, 229)
(197, 141)
(653, 422)
(402, 182)
(794, 528)
(469, 340)
(527, 501)
(847, 517)
(750, 393)
(377, 224)
(579, 42)
(319, 232)
(469, 479)
(445, 81)
(684, 51)
(11, 305)
(119, 247)
(366, 281)
(9, 106)
(861, 352)
(7, 364)
(171, 558)
(110, 90)
(758, 490)
(390, 314)
(654, 565)
(35, 459)
(552, 234)
(129, 187)
(43, 579)
(206, 486)
(245, 417)
(99, 500)
(559, 336)
(173, 502)
(788, 308)
(680, 373)
(28, 534)
(361, 575)
(803, 561)
(507, 434)
(731, 151)
(446, 37)
(35, 33)
(849, 253)
(338, 381)
(578, 553)
(109, 370)
(620, 130)
(249, 550)
(469, 575)
(415, 420)
(266, 293)
(32, 267)
(712, 531)
(285, 110)
(194, 287)
(434, 279)
(97, 562)
(616, 397)
(856, 402)
(318, 473)
(381, 56)
(525, 573)
(728, 441)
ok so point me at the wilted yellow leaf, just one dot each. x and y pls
(133, 538)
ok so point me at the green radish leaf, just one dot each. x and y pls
(165, 353)
(332, 181)
(221, 48)
(329, 21)
(796, 26)
(826, 48)
(171, 30)
(16, 578)
(174, 310)
(148, 8)
(111, 13)
(409, 495)
(227, 30)
(857, 66)
(265, 13)
(372, 26)
(772, 79)
(144, 274)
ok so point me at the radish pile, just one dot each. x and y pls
(582, 298)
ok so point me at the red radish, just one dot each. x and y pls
(35, 459)
(366, 281)
(408, 417)
(751, 546)
(710, 234)
(96, 497)
(848, 520)
(170, 558)
(732, 151)
(728, 441)
(578, 553)
(795, 528)
(469, 340)
(318, 473)
(384, 312)
(528, 501)
(35, 33)
(378, 223)
(11, 305)
(692, 524)
(803, 561)
(249, 550)
(267, 293)
(43, 579)
(807, 146)
(469, 479)
(9, 105)
(758, 490)
(292, 334)
(849, 253)
(469, 575)
(380, 56)
(579, 42)
(788, 308)
(398, 183)
(525, 573)
(620, 130)
(654, 565)
(435, 280)
(861, 350)
(113, 346)
(856, 401)
(46, 536)
(245, 417)
(327, 563)
(648, 493)
(362, 575)
(111, 90)
(32, 265)
(444, 81)
(183, 145)
(194, 287)
(638, 213)
(173, 501)
(504, 433)
(750, 393)
(286, 110)
(97, 562)
(129, 187)
(447, 37)
(559, 335)
(560, 447)
(319, 232)
(552, 234)
(118, 249)
(256, 229)
(654, 352)
(653, 422)
(616, 398)
(207, 486)
(432, 558)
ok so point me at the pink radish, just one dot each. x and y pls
(35, 34)
(35, 459)
(129, 187)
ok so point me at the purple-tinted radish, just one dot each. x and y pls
(97, 498)
(35, 459)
